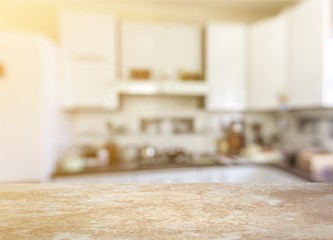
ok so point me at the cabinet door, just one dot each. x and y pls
(258, 174)
(243, 174)
(88, 47)
(86, 84)
(92, 34)
(213, 174)
(183, 49)
(121, 177)
(142, 47)
(77, 179)
(306, 48)
(225, 66)
(268, 62)
(163, 48)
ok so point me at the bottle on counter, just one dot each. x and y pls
(112, 152)
(257, 134)
(222, 143)
(236, 138)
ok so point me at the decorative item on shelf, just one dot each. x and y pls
(236, 138)
(222, 143)
(182, 125)
(308, 125)
(72, 162)
(282, 121)
(257, 134)
(178, 156)
(89, 154)
(112, 151)
(189, 76)
(140, 74)
(115, 129)
(147, 155)
(103, 156)
(151, 125)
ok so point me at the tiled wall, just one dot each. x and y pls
(310, 129)
(91, 127)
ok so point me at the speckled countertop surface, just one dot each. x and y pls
(170, 211)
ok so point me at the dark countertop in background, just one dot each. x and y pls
(130, 168)
(134, 167)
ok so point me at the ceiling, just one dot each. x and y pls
(232, 5)
(42, 15)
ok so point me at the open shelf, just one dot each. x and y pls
(162, 87)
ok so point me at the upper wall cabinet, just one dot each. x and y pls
(88, 48)
(88, 34)
(164, 49)
(311, 78)
(268, 62)
(225, 66)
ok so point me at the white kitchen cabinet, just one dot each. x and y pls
(258, 174)
(90, 34)
(169, 176)
(87, 85)
(117, 177)
(226, 66)
(30, 125)
(88, 45)
(77, 179)
(212, 174)
(311, 81)
(162, 48)
(141, 47)
(268, 62)
(183, 49)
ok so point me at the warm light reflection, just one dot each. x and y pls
(106, 87)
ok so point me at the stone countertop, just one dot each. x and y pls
(169, 211)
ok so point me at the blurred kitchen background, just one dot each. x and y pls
(166, 91)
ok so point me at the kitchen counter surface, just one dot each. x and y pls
(132, 168)
(170, 211)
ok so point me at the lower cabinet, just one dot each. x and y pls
(258, 174)
(212, 174)
(77, 179)
(169, 176)
(117, 178)
(223, 174)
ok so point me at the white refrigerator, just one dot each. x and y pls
(30, 118)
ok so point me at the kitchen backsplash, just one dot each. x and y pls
(310, 129)
(163, 122)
